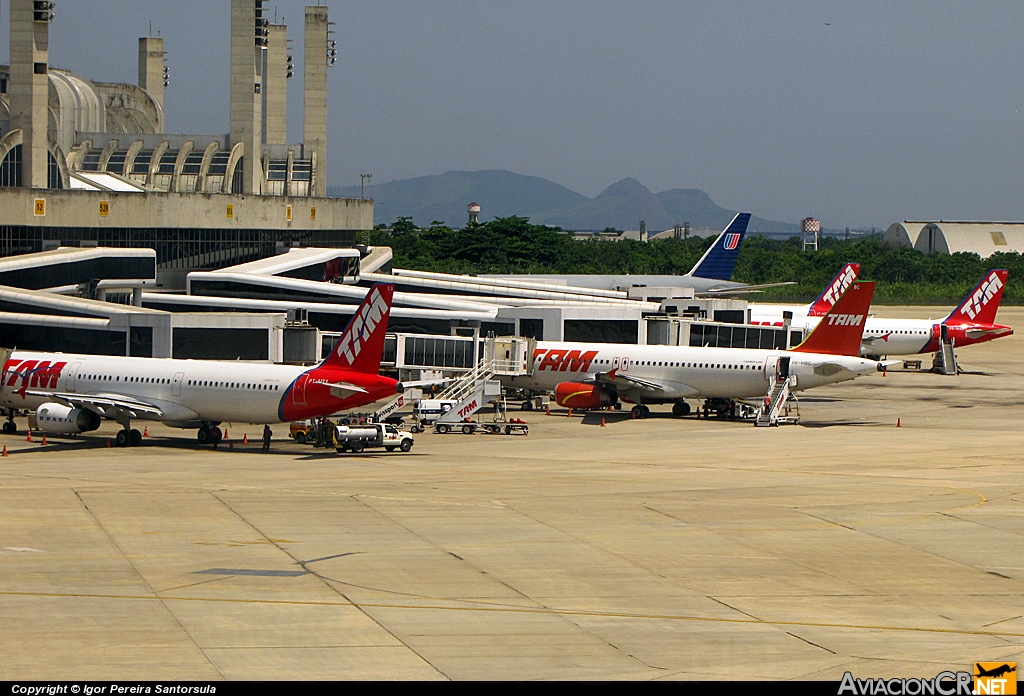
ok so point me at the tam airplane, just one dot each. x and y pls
(595, 375)
(771, 314)
(973, 321)
(72, 393)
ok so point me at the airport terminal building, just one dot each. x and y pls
(86, 163)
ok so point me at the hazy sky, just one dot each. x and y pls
(859, 113)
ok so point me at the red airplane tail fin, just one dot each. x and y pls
(982, 303)
(362, 343)
(840, 331)
(834, 290)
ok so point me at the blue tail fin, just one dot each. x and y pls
(718, 261)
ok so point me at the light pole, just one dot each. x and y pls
(363, 178)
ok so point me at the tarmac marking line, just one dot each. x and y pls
(528, 610)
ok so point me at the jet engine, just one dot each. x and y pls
(578, 395)
(57, 418)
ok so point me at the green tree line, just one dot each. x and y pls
(513, 245)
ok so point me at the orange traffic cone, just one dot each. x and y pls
(145, 432)
(898, 425)
(226, 434)
(245, 438)
(108, 442)
(44, 439)
(602, 421)
(549, 411)
(5, 452)
(569, 415)
(231, 445)
(632, 414)
(29, 438)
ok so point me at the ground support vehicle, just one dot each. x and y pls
(357, 438)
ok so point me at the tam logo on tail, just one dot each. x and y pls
(841, 330)
(835, 290)
(981, 305)
(362, 342)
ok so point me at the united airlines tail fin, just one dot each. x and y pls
(834, 290)
(361, 345)
(719, 260)
(839, 332)
(982, 303)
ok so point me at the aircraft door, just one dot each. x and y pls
(782, 371)
(299, 392)
(176, 383)
(72, 381)
(771, 366)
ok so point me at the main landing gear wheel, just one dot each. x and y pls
(640, 411)
(208, 435)
(680, 408)
(136, 438)
(10, 428)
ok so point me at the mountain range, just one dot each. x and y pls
(502, 193)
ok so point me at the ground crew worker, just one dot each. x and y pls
(267, 434)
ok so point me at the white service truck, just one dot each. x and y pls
(355, 438)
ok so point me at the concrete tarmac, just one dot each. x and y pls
(657, 549)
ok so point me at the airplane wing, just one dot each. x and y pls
(106, 405)
(626, 383)
(343, 390)
(720, 292)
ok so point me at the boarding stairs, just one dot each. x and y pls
(507, 356)
(772, 410)
(944, 361)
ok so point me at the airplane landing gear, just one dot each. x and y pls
(680, 408)
(640, 411)
(128, 437)
(209, 435)
(10, 427)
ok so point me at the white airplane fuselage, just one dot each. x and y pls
(683, 371)
(881, 336)
(185, 390)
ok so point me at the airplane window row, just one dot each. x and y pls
(117, 378)
(231, 385)
(191, 382)
(662, 363)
